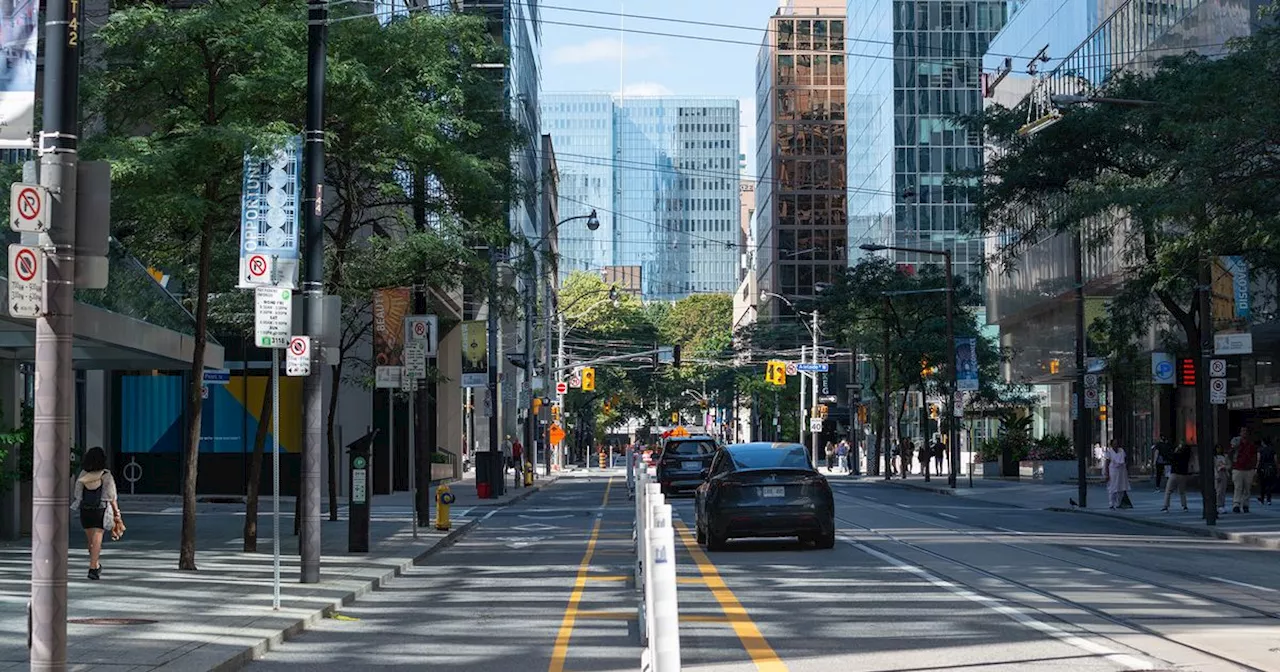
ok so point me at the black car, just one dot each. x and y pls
(764, 490)
(683, 461)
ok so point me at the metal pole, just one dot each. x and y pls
(55, 382)
(800, 430)
(551, 379)
(559, 374)
(816, 437)
(413, 457)
(391, 439)
(275, 478)
(313, 447)
(854, 458)
(530, 424)
(953, 437)
(884, 402)
(1204, 409)
(495, 426)
(1082, 423)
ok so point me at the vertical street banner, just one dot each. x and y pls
(18, 24)
(967, 364)
(475, 353)
(390, 306)
(270, 221)
(1237, 272)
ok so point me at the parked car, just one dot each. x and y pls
(683, 460)
(764, 490)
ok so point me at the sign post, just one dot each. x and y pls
(272, 322)
(421, 337)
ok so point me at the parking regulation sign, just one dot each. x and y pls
(297, 359)
(26, 281)
(28, 208)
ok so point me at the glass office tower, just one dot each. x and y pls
(913, 65)
(661, 172)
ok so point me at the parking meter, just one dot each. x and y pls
(359, 452)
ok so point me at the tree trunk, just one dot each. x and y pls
(334, 448)
(255, 475)
(187, 543)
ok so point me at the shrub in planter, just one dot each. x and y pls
(1052, 447)
(440, 458)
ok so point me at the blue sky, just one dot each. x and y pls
(577, 58)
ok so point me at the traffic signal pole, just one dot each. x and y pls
(55, 378)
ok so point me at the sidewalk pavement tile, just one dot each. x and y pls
(220, 617)
(1261, 527)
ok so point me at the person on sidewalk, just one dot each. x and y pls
(1221, 477)
(831, 456)
(95, 498)
(517, 461)
(1160, 460)
(938, 451)
(1245, 466)
(842, 455)
(1179, 476)
(1267, 470)
(924, 457)
(905, 450)
(1117, 475)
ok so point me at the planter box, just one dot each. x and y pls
(440, 472)
(991, 469)
(1047, 471)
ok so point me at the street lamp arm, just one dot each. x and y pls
(593, 223)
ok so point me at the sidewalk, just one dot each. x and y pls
(219, 617)
(1261, 527)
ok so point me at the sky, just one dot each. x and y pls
(577, 58)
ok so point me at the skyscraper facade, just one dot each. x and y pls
(801, 227)
(913, 66)
(661, 174)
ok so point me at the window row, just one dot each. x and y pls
(813, 245)
(951, 15)
(810, 70)
(790, 204)
(800, 279)
(810, 105)
(810, 173)
(706, 128)
(810, 219)
(811, 139)
(810, 34)
(941, 160)
(937, 101)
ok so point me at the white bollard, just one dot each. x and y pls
(664, 635)
(656, 502)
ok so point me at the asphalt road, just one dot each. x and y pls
(917, 582)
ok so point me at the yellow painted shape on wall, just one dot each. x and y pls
(290, 405)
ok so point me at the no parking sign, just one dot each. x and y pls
(297, 360)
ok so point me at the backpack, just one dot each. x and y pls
(92, 499)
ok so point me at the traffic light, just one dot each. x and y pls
(862, 413)
(1102, 413)
(588, 379)
(1054, 366)
(555, 412)
(775, 372)
(537, 405)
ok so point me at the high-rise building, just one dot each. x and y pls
(801, 228)
(660, 172)
(913, 66)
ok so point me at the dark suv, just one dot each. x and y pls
(683, 461)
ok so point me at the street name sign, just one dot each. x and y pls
(297, 358)
(216, 376)
(26, 281)
(272, 317)
(28, 208)
(812, 367)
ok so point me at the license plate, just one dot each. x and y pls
(772, 491)
(693, 466)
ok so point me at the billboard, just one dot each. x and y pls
(18, 26)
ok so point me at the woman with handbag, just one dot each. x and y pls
(95, 498)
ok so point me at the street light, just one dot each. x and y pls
(952, 435)
(813, 331)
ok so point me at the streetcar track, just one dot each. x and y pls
(1095, 611)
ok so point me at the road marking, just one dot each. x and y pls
(947, 515)
(1099, 552)
(906, 506)
(609, 577)
(1005, 529)
(561, 650)
(489, 515)
(1243, 584)
(761, 653)
(997, 605)
(687, 580)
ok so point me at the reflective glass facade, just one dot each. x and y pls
(661, 173)
(801, 226)
(914, 64)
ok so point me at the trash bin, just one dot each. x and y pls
(482, 490)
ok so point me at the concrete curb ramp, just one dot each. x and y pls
(265, 644)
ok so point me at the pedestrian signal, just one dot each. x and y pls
(862, 413)
(1102, 413)
(588, 379)
(775, 372)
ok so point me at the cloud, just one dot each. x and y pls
(639, 89)
(602, 50)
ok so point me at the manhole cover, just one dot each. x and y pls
(111, 621)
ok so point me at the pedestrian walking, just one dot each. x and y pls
(1160, 460)
(924, 456)
(1117, 475)
(95, 499)
(1221, 477)
(1244, 466)
(906, 450)
(842, 455)
(1179, 476)
(831, 455)
(517, 461)
(1267, 470)
(938, 451)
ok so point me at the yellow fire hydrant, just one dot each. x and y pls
(443, 499)
(528, 473)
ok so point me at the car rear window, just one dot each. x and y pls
(690, 448)
(768, 457)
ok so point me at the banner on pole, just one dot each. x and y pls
(269, 221)
(390, 305)
(18, 24)
(967, 364)
(475, 354)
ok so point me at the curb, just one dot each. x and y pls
(1242, 538)
(260, 648)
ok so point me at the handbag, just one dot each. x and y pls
(114, 522)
